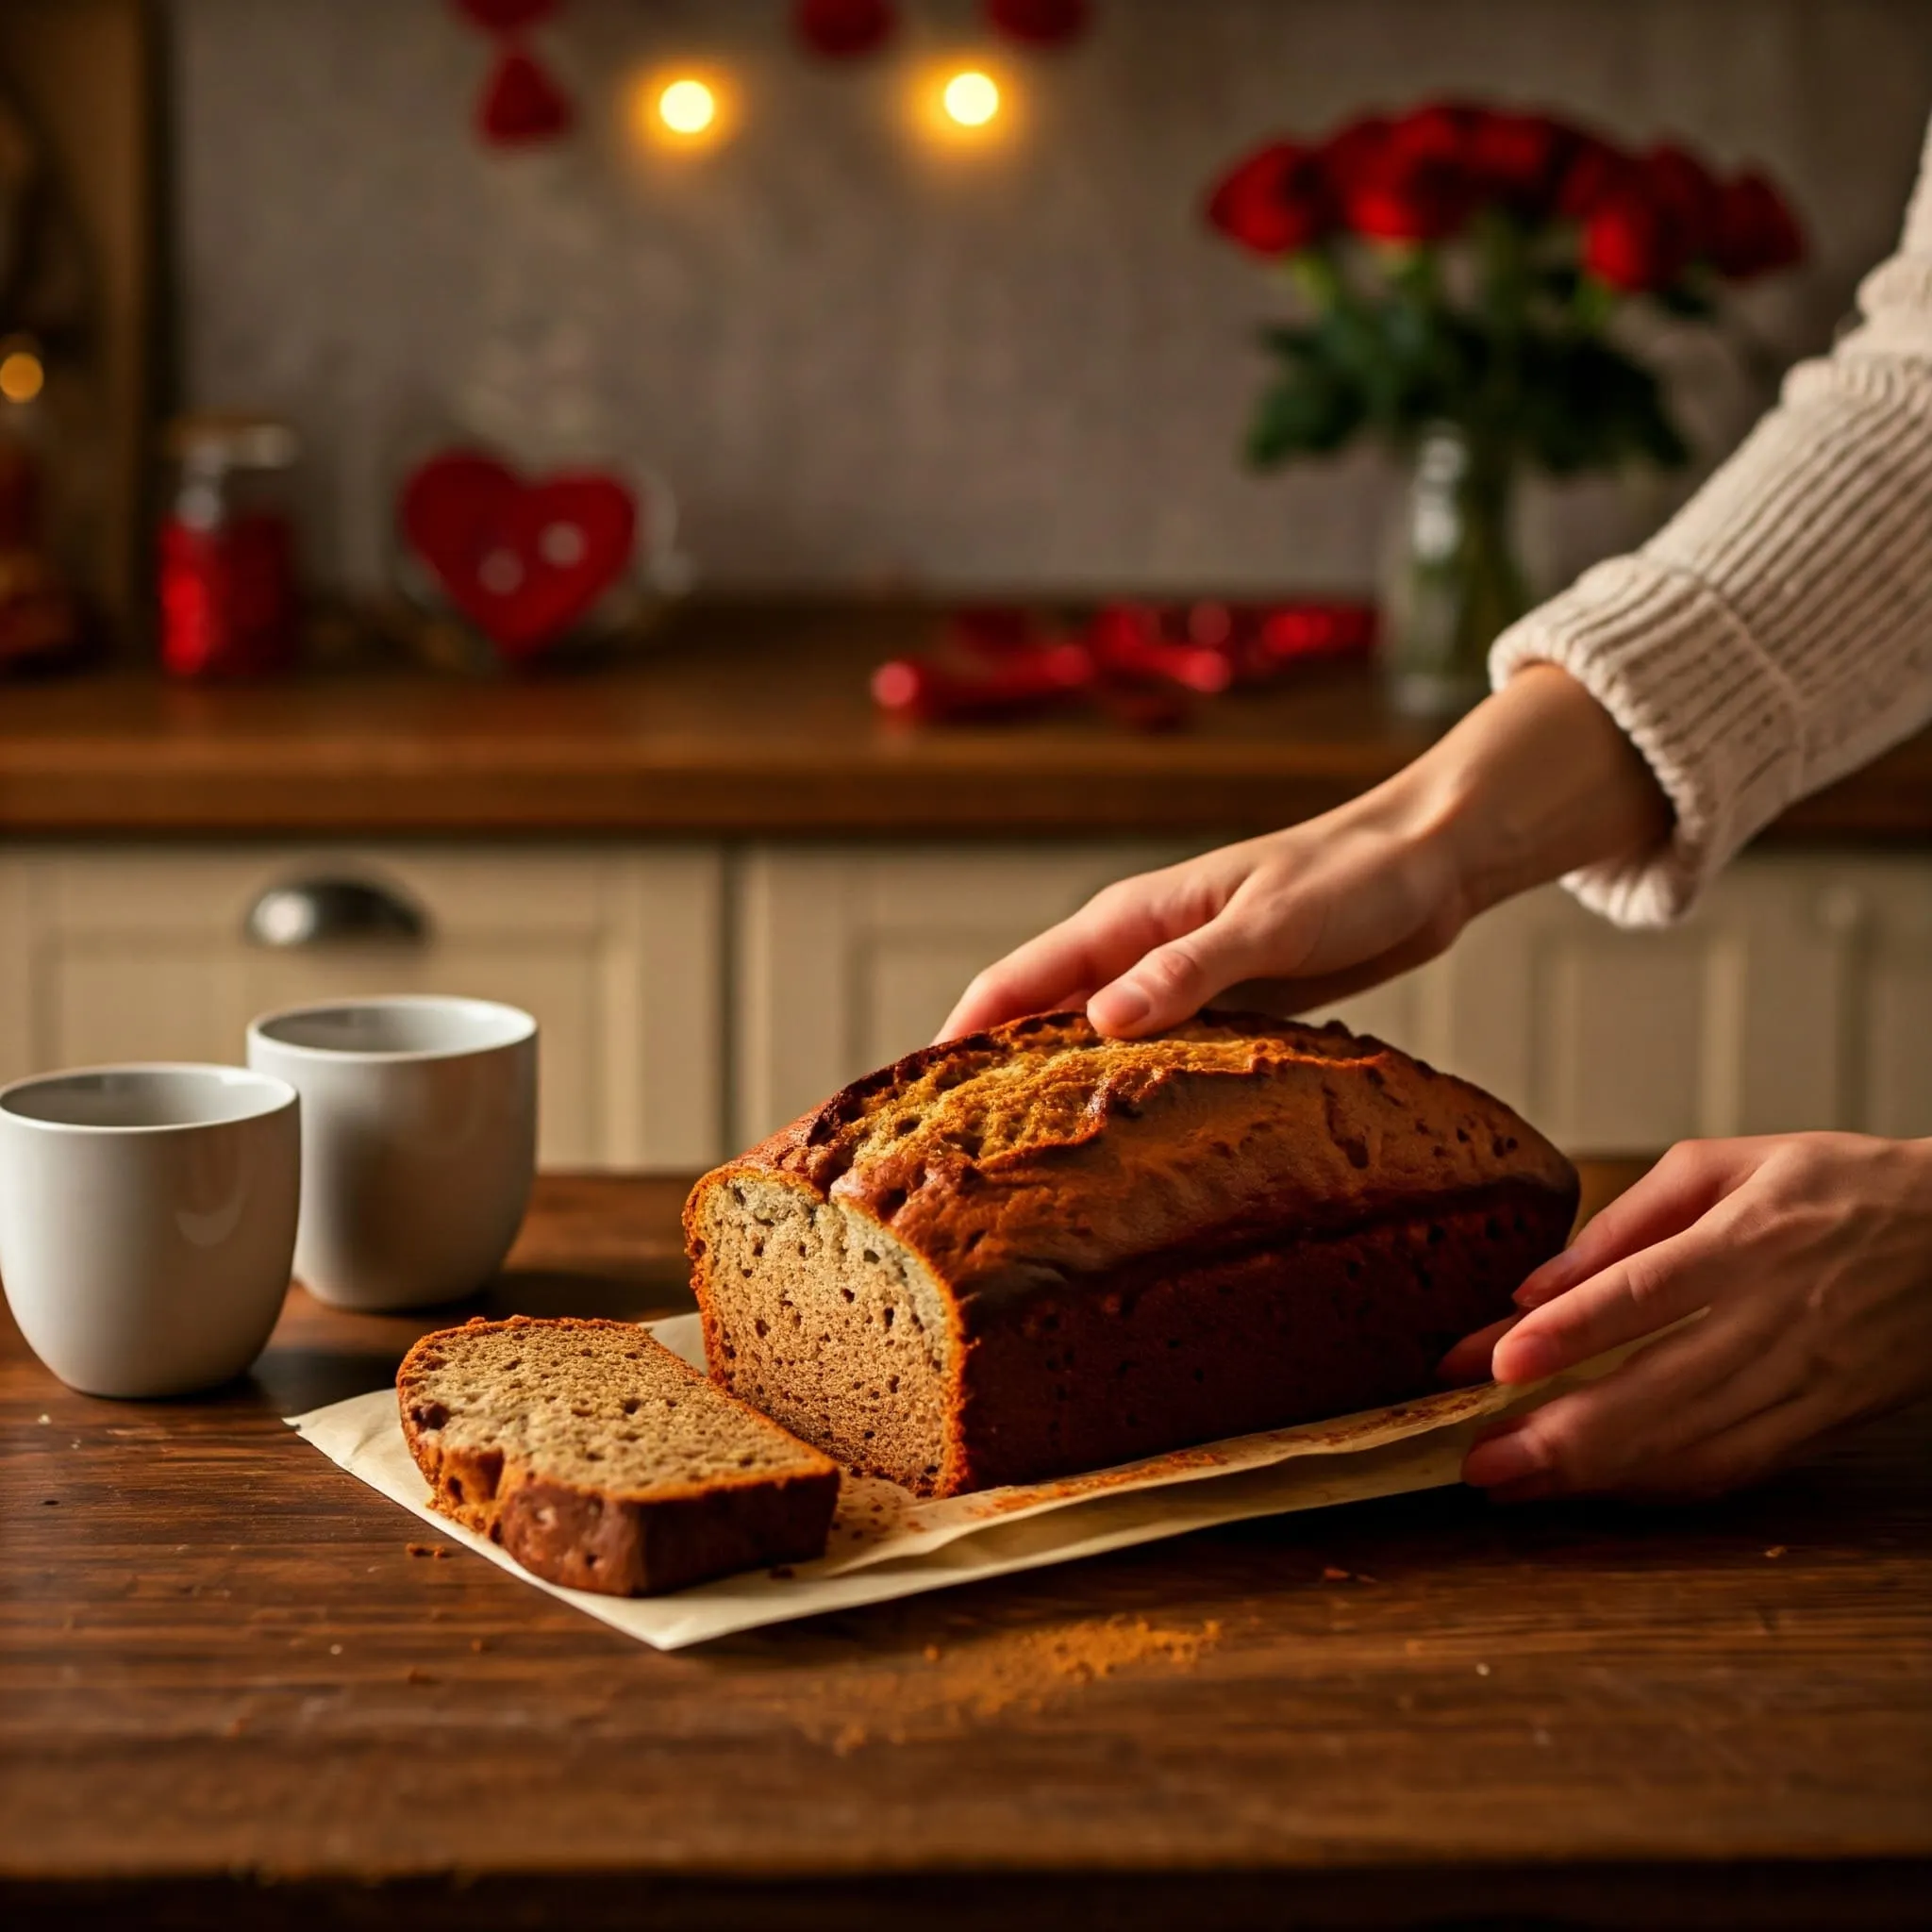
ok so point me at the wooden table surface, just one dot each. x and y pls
(743, 720)
(240, 1687)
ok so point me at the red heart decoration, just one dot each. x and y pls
(522, 104)
(522, 560)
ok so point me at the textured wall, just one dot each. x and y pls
(863, 361)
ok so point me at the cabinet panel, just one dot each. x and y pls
(848, 958)
(1798, 994)
(142, 955)
(1889, 1037)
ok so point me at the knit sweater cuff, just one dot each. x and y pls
(1711, 714)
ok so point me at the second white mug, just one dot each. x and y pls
(419, 1141)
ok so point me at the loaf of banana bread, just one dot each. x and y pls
(1033, 1251)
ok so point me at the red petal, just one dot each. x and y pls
(506, 16)
(841, 30)
(522, 104)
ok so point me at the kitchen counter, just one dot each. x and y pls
(240, 1687)
(752, 721)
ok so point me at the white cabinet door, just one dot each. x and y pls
(139, 954)
(848, 958)
(1798, 994)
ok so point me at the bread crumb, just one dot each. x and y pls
(335, 1650)
(421, 1549)
(1331, 1574)
(1482, 1670)
(1026, 1670)
(479, 1643)
(1777, 1550)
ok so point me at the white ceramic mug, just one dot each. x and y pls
(147, 1220)
(419, 1141)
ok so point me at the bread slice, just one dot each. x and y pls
(1033, 1251)
(598, 1459)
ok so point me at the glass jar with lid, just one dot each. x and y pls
(228, 596)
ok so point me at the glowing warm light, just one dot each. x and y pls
(681, 107)
(688, 106)
(21, 376)
(971, 98)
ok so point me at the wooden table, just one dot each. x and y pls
(239, 1688)
(749, 721)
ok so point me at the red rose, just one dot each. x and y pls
(1627, 242)
(1520, 159)
(1350, 151)
(1407, 197)
(1685, 191)
(1442, 130)
(1647, 230)
(1413, 184)
(1274, 202)
(1593, 171)
(1040, 23)
(1755, 231)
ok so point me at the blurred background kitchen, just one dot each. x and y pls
(713, 519)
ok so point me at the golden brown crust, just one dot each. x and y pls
(1039, 1145)
(618, 1544)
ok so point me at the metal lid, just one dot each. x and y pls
(223, 439)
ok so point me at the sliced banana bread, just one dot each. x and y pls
(598, 1459)
(1033, 1251)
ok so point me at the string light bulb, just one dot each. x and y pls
(23, 375)
(971, 98)
(681, 107)
(687, 106)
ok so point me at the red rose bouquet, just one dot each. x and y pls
(1461, 268)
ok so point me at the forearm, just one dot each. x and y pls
(1536, 782)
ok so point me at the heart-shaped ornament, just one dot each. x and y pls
(523, 560)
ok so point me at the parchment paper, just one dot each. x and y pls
(886, 1542)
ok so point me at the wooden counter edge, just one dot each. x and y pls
(860, 802)
(1873, 1894)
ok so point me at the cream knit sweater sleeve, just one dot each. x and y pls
(1777, 633)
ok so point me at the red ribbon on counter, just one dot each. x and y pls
(1026, 679)
(1140, 662)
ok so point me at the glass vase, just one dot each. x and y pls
(1451, 578)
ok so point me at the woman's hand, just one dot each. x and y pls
(1811, 1257)
(1319, 910)
(1532, 783)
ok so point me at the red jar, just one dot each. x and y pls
(228, 605)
